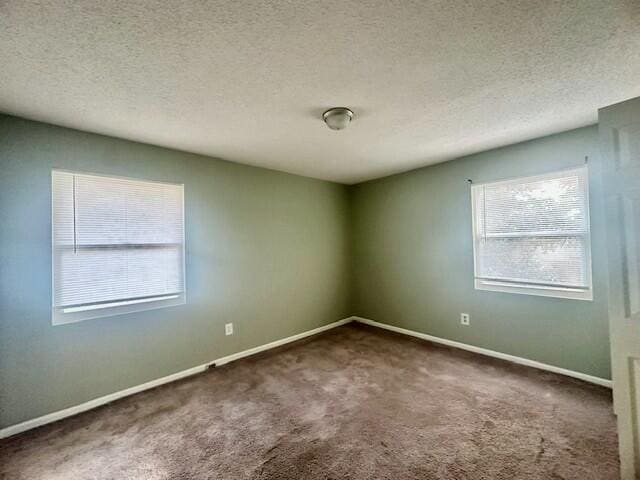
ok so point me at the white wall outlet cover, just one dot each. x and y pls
(465, 318)
(228, 329)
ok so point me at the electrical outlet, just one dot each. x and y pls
(228, 329)
(464, 319)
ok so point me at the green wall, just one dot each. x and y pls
(275, 254)
(413, 258)
(265, 250)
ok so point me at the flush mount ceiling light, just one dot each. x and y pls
(337, 118)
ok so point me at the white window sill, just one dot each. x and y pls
(100, 306)
(538, 290)
(61, 316)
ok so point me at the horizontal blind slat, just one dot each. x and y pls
(533, 230)
(120, 239)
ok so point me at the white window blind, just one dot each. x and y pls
(531, 235)
(118, 245)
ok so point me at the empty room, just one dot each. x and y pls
(320, 240)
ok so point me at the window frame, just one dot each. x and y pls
(531, 288)
(66, 315)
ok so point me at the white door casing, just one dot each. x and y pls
(619, 127)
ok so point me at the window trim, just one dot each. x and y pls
(74, 314)
(530, 288)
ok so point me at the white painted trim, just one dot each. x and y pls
(83, 407)
(96, 402)
(505, 286)
(541, 291)
(98, 306)
(277, 343)
(490, 353)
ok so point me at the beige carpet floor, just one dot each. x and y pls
(353, 403)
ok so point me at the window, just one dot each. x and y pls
(531, 235)
(118, 246)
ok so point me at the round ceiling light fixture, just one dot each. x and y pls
(337, 118)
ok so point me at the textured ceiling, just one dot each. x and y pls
(248, 81)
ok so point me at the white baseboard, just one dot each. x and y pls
(83, 407)
(490, 353)
(277, 343)
(96, 402)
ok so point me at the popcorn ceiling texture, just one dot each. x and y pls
(248, 81)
